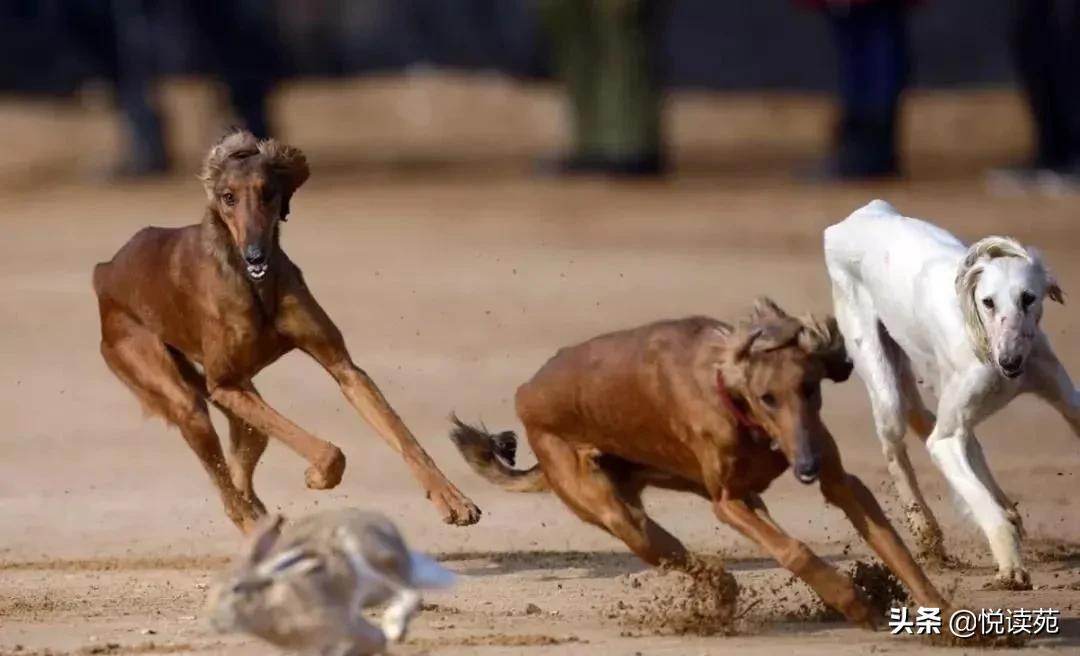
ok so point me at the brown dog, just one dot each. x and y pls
(190, 315)
(698, 406)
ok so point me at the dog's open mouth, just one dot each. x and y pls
(1012, 373)
(257, 271)
(806, 479)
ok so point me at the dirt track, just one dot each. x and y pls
(454, 275)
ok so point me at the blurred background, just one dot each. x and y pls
(491, 180)
(819, 90)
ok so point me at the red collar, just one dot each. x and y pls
(741, 417)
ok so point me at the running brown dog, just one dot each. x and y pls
(699, 406)
(190, 315)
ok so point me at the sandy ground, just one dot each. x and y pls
(454, 274)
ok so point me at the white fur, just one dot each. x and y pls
(920, 310)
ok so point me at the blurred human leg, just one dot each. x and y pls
(1039, 60)
(1071, 81)
(872, 47)
(570, 29)
(135, 69)
(629, 94)
(241, 38)
(1045, 44)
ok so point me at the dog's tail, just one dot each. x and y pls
(492, 456)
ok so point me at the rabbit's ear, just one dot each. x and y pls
(296, 561)
(263, 538)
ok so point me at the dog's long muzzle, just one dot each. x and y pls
(807, 463)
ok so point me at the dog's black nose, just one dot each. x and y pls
(1010, 363)
(807, 470)
(254, 254)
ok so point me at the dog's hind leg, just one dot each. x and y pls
(246, 443)
(597, 497)
(875, 355)
(924, 526)
(142, 361)
(246, 446)
(919, 417)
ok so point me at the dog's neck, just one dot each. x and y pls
(218, 244)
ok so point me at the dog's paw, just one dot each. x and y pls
(327, 472)
(1015, 579)
(455, 507)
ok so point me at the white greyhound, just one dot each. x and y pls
(920, 310)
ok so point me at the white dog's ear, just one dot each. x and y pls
(1053, 290)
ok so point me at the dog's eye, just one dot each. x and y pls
(988, 303)
(229, 198)
(1026, 299)
(768, 400)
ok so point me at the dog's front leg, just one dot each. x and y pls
(327, 461)
(834, 588)
(849, 494)
(950, 451)
(365, 396)
(1048, 379)
(308, 326)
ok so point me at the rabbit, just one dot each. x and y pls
(303, 584)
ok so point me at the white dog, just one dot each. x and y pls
(919, 310)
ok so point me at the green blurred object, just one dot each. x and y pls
(607, 54)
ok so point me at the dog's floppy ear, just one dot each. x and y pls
(1053, 289)
(823, 339)
(766, 309)
(1055, 293)
(838, 366)
(745, 342)
(291, 166)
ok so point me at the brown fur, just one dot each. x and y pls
(643, 407)
(185, 322)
